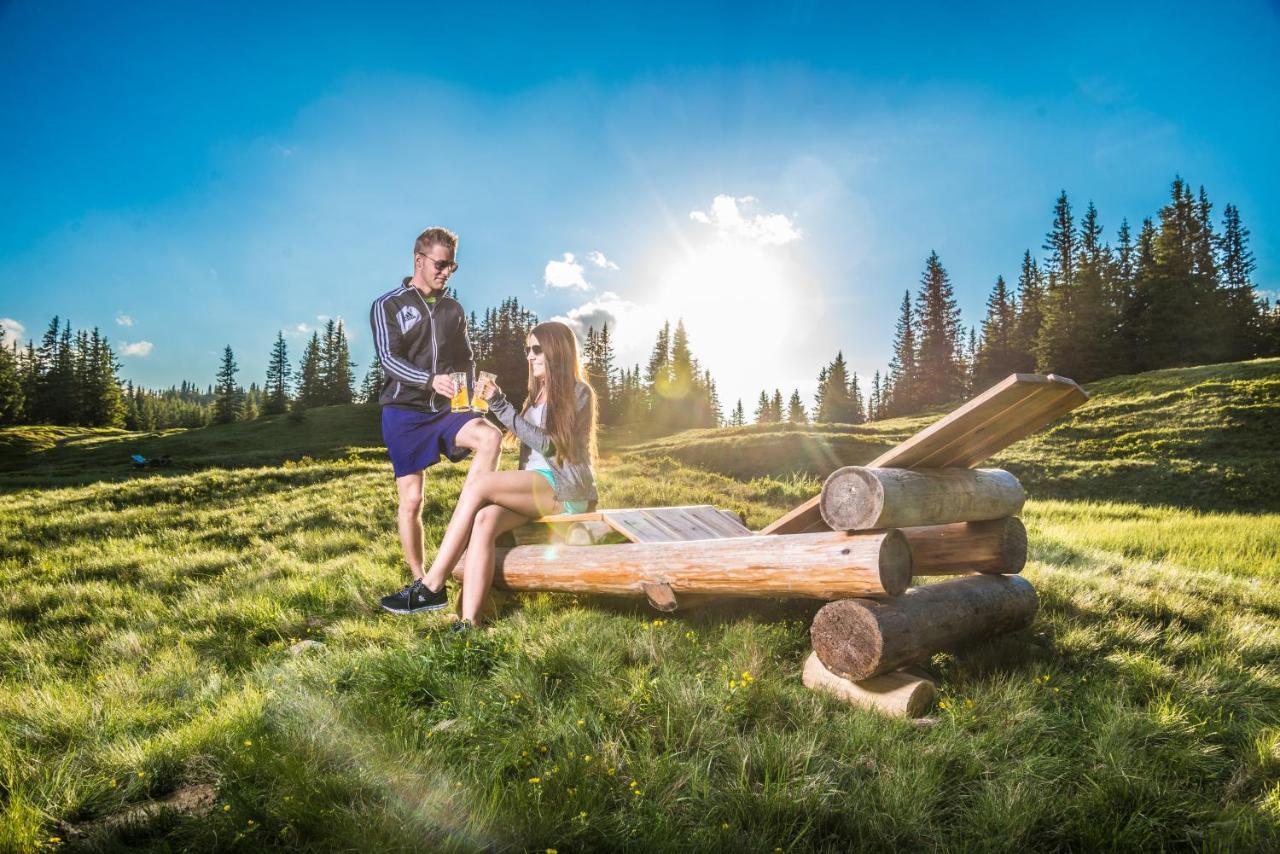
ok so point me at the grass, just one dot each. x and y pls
(150, 698)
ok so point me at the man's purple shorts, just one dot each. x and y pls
(416, 440)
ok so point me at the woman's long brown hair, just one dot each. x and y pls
(575, 441)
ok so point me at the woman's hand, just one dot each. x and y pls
(486, 388)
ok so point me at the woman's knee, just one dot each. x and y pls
(486, 524)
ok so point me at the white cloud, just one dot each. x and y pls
(565, 274)
(123, 319)
(609, 308)
(13, 330)
(600, 261)
(137, 348)
(298, 330)
(727, 217)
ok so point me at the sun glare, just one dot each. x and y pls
(742, 309)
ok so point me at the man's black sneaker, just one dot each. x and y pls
(415, 597)
(461, 627)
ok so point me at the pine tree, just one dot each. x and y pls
(875, 401)
(795, 409)
(739, 417)
(764, 410)
(1029, 315)
(342, 377)
(715, 415)
(775, 406)
(857, 409)
(230, 403)
(996, 356)
(311, 390)
(12, 396)
(903, 369)
(605, 370)
(1245, 313)
(835, 405)
(937, 317)
(371, 387)
(1060, 243)
(278, 374)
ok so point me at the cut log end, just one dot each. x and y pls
(898, 694)
(895, 563)
(1013, 545)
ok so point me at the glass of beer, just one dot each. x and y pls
(485, 384)
(460, 401)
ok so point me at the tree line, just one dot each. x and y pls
(1180, 293)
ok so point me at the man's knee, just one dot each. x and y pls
(411, 501)
(480, 436)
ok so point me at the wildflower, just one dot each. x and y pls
(942, 704)
(250, 822)
(637, 792)
(612, 771)
(724, 825)
(142, 773)
(586, 757)
(55, 840)
(226, 807)
(732, 684)
(747, 677)
(517, 697)
(542, 749)
(524, 753)
(968, 703)
(582, 814)
(581, 722)
(535, 780)
(248, 742)
(1056, 690)
(552, 851)
(113, 784)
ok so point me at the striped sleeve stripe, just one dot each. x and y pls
(395, 365)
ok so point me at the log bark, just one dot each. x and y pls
(861, 638)
(830, 565)
(997, 546)
(859, 498)
(900, 694)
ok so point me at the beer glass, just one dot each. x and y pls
(460, 402)
(485, 383)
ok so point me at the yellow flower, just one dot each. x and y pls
(586, 757)
(613, 771)
(535, 779)
(542, 749)
(636, 792)
(581, 722)
(250, 822)
(582, 814)
(248, 742)
(55, 840)
(226, 807)
(724, 825)
(552, 851)
(142, 773)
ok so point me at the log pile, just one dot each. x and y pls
(956, 522)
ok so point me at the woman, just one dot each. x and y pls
(557, 434)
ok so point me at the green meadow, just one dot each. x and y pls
(193, 657)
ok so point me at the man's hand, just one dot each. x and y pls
(443, 384)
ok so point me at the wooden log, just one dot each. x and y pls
(997, 546)
(900, 694)
(861, 638)
(859, 498)
(829, 565)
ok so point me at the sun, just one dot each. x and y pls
(743, 308)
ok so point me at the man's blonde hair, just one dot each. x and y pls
(435, 236)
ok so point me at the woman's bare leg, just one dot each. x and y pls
(525, 492)
(478, 568)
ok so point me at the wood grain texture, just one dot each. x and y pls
(860, 498)
(1011, 410)
(900, 694)
(861, 638)
(831, 565)
(996, 546)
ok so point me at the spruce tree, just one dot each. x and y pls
(874, 400)
(341, 370)
(605, 371)
(764, 409)
(230, 403)
(996, 355)
(775, 405)
(311, 390)
(1246, 316)
(903, 370)
(836, 406)
(371, 387)
(278, 373)
(1029, 315)
(12, 396)
(857, 409)
(795, 409)
(739, 417)
(940, 374)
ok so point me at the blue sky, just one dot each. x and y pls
(187, 178)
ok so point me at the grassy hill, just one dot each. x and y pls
(156, 695)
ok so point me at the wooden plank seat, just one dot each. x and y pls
(1011, 410)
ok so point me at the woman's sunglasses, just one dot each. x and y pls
(535, 350)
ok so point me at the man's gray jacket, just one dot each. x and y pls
(416, 340)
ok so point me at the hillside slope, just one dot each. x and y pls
(1206, 437)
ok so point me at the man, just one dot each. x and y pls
(420, 332)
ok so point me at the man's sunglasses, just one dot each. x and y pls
(535, 350)
(442, 266)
